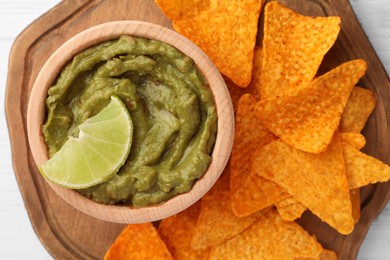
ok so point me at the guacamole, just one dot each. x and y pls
(171, 106)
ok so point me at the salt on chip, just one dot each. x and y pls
(270, 238)
(355, 200)
(355, 139)
(306, 118)
(177, 232)
(318, 181)
(294, 46)
(184, 9)
(138, 241)
(227, 34)
(363, 169)
(217, 222)
(290, 209)
(359, 107)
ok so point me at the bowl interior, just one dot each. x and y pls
(109, 31)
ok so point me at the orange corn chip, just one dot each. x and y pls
(217, 222)
(270, 238)
(308, 117)
(328, 255)
(250, 135)
(290, 209)
(322, 185)
(363, 169)
(355, 200)
(184, 9)
(294, 46)
(255, 194)
(359, 107)
(230, 41)
(355, 139)
(138, 241)
(177, 232)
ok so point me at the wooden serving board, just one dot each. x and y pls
(69, 234)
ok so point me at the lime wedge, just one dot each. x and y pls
(97, 154)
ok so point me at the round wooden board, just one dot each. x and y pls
(69, 234)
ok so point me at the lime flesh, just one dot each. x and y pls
(101, 148)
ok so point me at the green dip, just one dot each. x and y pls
(171, 106)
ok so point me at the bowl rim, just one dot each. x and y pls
(108, 31)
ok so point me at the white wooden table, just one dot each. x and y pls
(17, 238)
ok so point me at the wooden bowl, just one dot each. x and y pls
(108, 31)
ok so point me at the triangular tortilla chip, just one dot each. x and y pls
(270, 238)
(250, 135)
(363, 169)
(255, 194)
(322, 185)
(355, 139)
(138, 241)
(294, 46)
(177, 232)
(184, 9)
(308, 117)
(237, 92)
(328, 255)
(359, 107)
(227, 33)
(217, 222)
(290, 209)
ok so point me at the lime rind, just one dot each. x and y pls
(102, 147)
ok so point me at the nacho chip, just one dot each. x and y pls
(217, 222)
(290, 209)
(255, 194)
(138, 241)
(328, 255)
(184, 9)
(250, 135)
(307, 118)
(363, 169)
(177, 232)
(270, 238)
(294, 46)
(355, 200)
(230, 41)
(318, 181)
(355, 139)
(359, 107)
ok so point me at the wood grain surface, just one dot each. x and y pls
(69, 234)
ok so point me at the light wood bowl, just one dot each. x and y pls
(51, 69)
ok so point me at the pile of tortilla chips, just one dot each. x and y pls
(297, 139)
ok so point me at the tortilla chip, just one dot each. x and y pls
(322, 185)
(355, 139)
(255, 84)
(217, 222)
(294, 46)
(328, 255)
(250, 135)
(138, 241)
(177, 232)
(308, 117)
(255, 194)
(355, 200)
(359, 107)
(290, 209)
(269, 238)
(184, 9)
(230, 41)
(363, 169)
